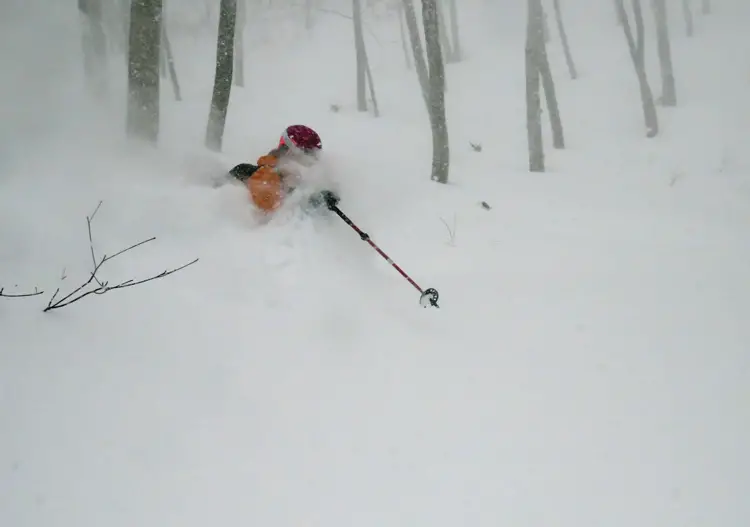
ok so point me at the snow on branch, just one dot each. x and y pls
(94, 285)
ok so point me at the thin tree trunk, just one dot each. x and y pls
(453, 10)
(371, 85)
(706, 7)
(94, 41)
(669, 91)
(687, 13)
(223, 76)
(636, 45)
(239, 44)
(533, 89)
(402, 31)
(550, 94)
(143, 69)
(361, 56)
(445, 42)
(438, 120)
(416, 46)
(169, 58)
(564, 41)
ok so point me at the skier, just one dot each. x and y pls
(273, 178)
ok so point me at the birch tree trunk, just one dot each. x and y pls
(223, 76)
(143, 70)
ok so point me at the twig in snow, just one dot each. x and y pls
(451, 231)
(98, 287)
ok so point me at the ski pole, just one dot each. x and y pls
(428, 297)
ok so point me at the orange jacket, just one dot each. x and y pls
(265, 185)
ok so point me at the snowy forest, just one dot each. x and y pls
(326, 263)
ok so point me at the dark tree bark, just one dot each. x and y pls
(438, 120)
(637, 45)
(143, 69)
(223, 76)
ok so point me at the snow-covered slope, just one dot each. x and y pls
(588, 366)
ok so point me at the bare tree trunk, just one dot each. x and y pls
(223, 76)
(239, 44)
(548, 83)
(445, 42)
(453, 10)
(94, 46)
(143, 69)
(637, 45)
(438, 120)
(535, 140)
(416, 46)
(706, 7)
(687, 13)
(564, 41)
(618, 14)
(168, 59)
(371, 86)
(402, 31)
(361, 53)
(669, 91)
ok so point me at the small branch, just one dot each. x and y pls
(102, 287)
(19, 295)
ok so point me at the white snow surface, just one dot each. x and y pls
(590, 362)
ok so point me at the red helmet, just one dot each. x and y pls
(301, 138)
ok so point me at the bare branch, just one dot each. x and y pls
(98, 287)
(19, 295)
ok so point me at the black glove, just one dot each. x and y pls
(326, 198)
